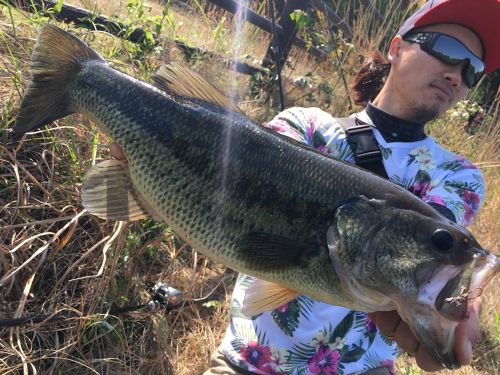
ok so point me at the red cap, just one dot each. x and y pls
(481, 16)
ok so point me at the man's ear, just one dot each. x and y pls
(395, 49)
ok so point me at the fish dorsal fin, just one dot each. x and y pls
(266, 296)
(107, 192)
(182, 82)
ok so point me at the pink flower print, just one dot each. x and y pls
(282, 308)
(283, 128)
(390, 366)
(257, 355)
(370, 326)
(434, 199)
(471, 204)
(310, 131)
(420, 188)
(324, 361)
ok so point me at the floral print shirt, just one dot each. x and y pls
(307, 336)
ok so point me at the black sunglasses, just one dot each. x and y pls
(450, 51)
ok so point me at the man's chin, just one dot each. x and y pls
(424, 113)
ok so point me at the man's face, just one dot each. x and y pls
(425, 86)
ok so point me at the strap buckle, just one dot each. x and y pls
(363, 143)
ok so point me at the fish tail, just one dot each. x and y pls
(56, 60)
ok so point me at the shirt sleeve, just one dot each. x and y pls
(314, 127)
(462, 190)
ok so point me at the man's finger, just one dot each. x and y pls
(426, 360)
(405, 339)
(391, 325)
(116, 151)
(467, 334)
(387, 322)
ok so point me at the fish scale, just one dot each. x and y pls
(258, 202)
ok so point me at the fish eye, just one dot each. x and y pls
(443, 239)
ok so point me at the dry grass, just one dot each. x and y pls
(54, 257)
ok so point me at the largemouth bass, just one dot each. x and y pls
(256, 201)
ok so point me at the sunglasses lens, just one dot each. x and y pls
(451, 51)
(471, 74)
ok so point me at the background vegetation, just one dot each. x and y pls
(56, 259)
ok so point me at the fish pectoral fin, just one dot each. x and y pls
(266, 296)
(107, 192)
(182, 82)
(265, 251)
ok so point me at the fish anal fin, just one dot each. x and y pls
(107, 192)
(266, 296)
(184, 83)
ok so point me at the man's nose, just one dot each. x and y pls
(453, 73)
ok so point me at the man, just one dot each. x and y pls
(436, 57)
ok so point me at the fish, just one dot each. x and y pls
(300, 221)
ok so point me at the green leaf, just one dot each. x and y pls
(318, 140)
(237, 344)
(261, 338)
(386, 340)
(386, 152)
(353, 354)
(422, 176)
(306, 303)
(451, 165)
(411, 159)
(212, 304)
(341, 367)
(343, 327)
(58, 6)
(288, 320)
(300, 18)
(300, 354)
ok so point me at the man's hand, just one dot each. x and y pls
(466, 334)
(116, 151)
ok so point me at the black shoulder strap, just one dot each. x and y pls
(367, 153)
(365, 147)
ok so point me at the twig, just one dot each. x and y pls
(80, 259)
(46, 221)
(24, 242)
(211, 292)
(341, 70)
(29, 175)
(41, 250)
(104, 252)
(277, 54)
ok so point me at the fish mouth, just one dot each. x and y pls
(443, 301)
